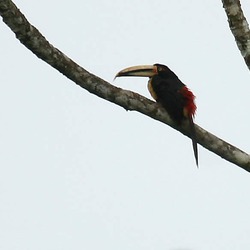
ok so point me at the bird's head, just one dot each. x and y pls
(147, 71)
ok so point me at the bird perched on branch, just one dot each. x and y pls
(167, 89)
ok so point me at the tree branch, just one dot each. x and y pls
(239, 27)
(34, 41)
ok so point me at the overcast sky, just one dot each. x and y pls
(78, 172)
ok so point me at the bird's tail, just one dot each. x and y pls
(194, 140)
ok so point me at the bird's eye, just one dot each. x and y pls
(160, 70)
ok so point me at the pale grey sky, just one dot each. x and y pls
(77, 172)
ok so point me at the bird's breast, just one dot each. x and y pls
(151, 89)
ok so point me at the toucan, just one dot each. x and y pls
(168, 90)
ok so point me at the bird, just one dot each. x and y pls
(171, 93)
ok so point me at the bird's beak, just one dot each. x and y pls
(141, 70)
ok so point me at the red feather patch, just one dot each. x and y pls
(190, 107)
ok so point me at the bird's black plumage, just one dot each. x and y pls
(166, 87)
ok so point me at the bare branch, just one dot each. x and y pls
(33, 40)
(239, 27)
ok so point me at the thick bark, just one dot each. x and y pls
(239, 27)
(34, 41)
